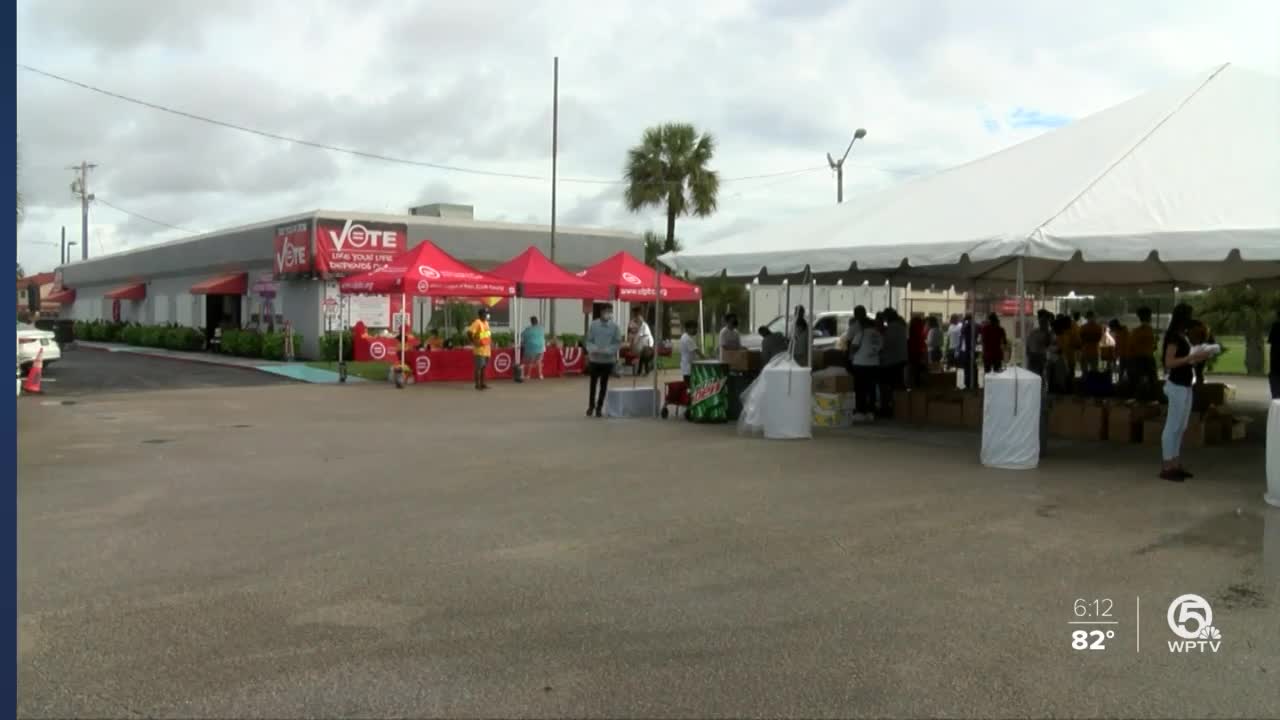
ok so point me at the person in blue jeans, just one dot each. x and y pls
(1179, 367)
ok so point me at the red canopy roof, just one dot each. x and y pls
(62, 297)
(136, 291)
(538, 277)
(233, 284)
(427, 270)
(634, 280)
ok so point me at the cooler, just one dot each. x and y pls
(1011, 420)
(787, 403)
(709, 394)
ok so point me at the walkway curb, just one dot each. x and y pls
(162, 356)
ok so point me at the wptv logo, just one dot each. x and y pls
(1191, 619)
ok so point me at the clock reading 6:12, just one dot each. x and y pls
(1099, 608)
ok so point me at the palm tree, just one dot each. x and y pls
(668, 170)
(655, 246)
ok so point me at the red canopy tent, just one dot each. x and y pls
(425, 271)
(634, 281)
(537, 277)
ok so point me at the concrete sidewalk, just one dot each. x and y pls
(294, 370)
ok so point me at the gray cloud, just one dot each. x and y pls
(779, 84)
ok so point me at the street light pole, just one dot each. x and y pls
(838, 165)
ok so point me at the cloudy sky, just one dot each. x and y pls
(779, 83)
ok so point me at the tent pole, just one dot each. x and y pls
(786, 323)
(401, 368)
(973, 338)
(1022, 321)
(515, 334)
(813, 289)
(702, 330)
(657, 331)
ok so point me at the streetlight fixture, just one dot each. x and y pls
(838, 166)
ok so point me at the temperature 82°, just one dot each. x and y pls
(1091, 639)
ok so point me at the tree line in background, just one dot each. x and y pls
(1233, 310)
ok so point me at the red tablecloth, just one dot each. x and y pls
(457, 365)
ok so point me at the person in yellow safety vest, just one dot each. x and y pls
(481, 346)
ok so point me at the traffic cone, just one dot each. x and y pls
(32, 383)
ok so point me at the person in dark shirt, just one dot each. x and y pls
(1179, 364)
(1274, 373)
(771, 343)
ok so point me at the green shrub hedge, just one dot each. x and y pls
(329, 346)
(245, 343)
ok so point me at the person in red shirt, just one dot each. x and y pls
(993, 345)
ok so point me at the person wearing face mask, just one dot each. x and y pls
(604, 339)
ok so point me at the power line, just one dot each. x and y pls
(140, 216)
(355, 152)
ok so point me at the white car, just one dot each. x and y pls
(31, 340)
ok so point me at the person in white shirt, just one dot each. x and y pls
(866, 369)
(729, 337)
(688, 349)
(953, 341)
(642, 343)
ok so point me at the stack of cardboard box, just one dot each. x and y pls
(744, 360)
(833, 409)
(1133, 422)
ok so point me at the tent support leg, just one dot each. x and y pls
(657, 335)
(1021, 289)
(786, 324)
(400, 370)
(813, 289)
(702, 329)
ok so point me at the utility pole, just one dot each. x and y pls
(62, 259)
(555, 142)
(80, 188)
(838, 166)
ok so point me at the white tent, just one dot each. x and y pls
(1177, 187)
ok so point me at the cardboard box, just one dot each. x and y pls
(828, 358)
(940, 381)
(745, 360)
(1152, 428)
(1124, 421)
(901, 405)
(831, 402)
(972, 404)
(919, 407)
(1195, 435)
(1093, 422)
(1239, 428)
(1064, 417)
(832, 419)
(842, 383)
(945, 412)
(1209, 394)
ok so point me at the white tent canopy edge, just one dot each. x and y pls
(1176, 187)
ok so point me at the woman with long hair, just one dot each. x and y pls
(1179, 364)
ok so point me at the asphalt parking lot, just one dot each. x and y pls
(260, 548)
(84, 372)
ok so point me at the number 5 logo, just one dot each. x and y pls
(1189, 608)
